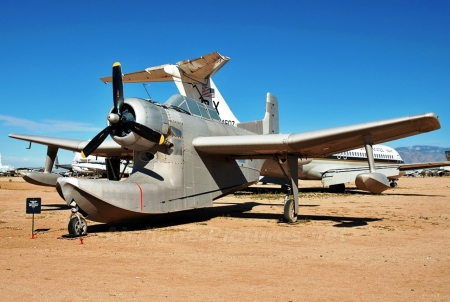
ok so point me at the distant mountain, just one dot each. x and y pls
(422, 154)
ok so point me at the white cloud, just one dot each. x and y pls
(48, 125)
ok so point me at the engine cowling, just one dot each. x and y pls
(145, 113)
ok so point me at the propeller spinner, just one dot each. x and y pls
(121, 120)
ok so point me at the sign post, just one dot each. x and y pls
(33, 206)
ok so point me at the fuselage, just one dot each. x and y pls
(165, 179)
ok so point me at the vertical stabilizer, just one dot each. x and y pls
(270, 123)
(1, 160)
(447, 156)
(222, 107)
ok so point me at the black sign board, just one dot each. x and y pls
(34, 205)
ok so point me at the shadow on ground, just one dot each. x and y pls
(231, 210)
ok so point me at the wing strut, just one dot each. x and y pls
(50, 160)
(369, 150)
(292, 162)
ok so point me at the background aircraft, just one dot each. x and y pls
(193, 79)
(184, 156)
(6, 169)
(96, 165)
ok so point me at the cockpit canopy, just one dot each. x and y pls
(193, 107)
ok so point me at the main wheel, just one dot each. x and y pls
(289, 211)
(393, 184)
(77, 226)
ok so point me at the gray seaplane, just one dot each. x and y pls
(185, 157)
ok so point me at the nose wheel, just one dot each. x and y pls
(77, 224)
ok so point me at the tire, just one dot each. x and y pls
(289, 212)
(77, 226)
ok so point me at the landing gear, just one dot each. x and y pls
(77, 224)
(291, 199)
(289, 211)
(393, 184)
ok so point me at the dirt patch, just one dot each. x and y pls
(354, 246)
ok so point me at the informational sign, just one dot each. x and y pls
(34, 205)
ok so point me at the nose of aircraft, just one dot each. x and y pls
(118, 119)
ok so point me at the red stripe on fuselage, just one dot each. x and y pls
(140, 196)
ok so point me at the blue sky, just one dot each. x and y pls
(330, 63)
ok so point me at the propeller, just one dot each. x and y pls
(121, 120)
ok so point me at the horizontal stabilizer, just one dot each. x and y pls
(197, 69)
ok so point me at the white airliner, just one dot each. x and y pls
(337, 170)
(5, 169)
(193, 79)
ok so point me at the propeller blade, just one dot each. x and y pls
(117, 87)
(146, 132)
(95, 142)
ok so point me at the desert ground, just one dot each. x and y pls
(347, 247)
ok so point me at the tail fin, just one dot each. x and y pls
(193, 79)
(1, 160)
(447, 155)
(225, 113)
(270, 123)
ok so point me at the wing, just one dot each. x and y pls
(317, 143)
(199, 69)
(108, 148)
(405, 167)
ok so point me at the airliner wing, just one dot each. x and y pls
(108, 148)
(317, 143)
(405, 167)
(199, 69)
